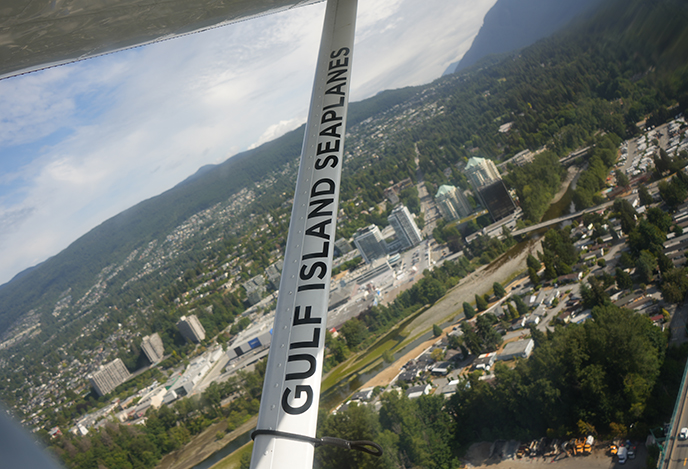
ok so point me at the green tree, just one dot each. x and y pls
(646, 236)
(664, 263)
(533, 276)
(388, 356)
(471, 339)
(594, 294)
(645, 266)
(596, 372)
(499, 290)
(512, 313)
(245, 462)
(337, 347)
(675, 285)
(623, 279)
(558, 253)
(626, 213)
(437, 355)
(659, 218)
(489, 337)
(424, 432)
(521, 306)
(436, 330)
(355, 423)
(480, 303)
(533, 263)
(644, 195)
(355, 332)
(454, 341)
(468, 310)
(212, 396)
(673, 193)
(621, 178)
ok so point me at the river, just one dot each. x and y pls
(347, 385)
(219, 455)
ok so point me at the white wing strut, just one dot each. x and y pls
(291, 391)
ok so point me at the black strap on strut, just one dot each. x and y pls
(365, 446)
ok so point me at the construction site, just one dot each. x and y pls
(584, 452)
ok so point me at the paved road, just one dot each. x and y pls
(677, 450)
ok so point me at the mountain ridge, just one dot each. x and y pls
(513, 24)
(112, 240)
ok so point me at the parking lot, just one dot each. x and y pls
(478, 456)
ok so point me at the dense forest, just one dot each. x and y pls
(612, 376)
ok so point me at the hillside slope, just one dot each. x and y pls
(513, 24)
(111, 242)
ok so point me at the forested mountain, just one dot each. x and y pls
(513, 24)
(116, 238)
(113, 240)
(144, 268)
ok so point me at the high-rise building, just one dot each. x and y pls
(405, 227)
(255, 289)
(109, 376)
(481, 172)
(153, 348)
(497, 200)
(452, 203)
(342, 246)
(191, 328)
(274, 273)
(370, 243)
(489, 188)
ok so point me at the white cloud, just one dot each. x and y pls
(80, 143)
(277, 130)
(414, 46)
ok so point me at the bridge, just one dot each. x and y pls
(554, 221)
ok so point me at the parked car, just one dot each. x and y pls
(632, 450)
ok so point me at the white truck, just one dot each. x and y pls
(622, 454)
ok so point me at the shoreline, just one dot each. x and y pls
(204, 445)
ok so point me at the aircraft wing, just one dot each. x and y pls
(36, 34)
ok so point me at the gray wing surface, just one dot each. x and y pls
(39, 34)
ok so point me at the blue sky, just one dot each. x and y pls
(82, 142)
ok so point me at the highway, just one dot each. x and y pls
(676, 454)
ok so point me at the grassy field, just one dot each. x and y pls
(233, 461)
(371, 356)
